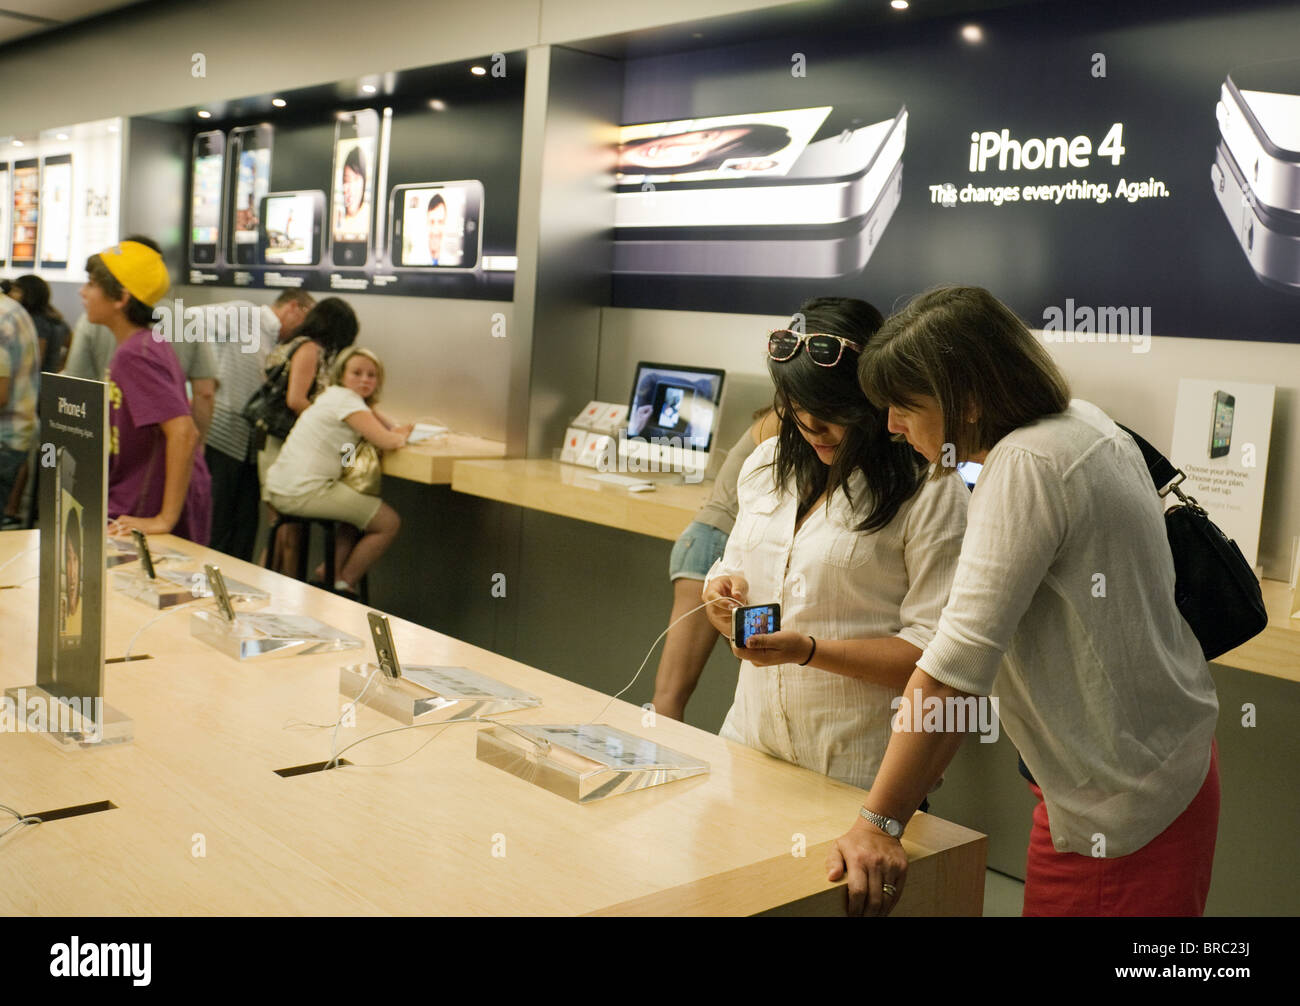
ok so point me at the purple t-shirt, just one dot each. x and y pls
(145, 389)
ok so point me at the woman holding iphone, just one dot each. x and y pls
(838, 524)
(1063, 605)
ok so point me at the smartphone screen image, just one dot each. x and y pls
(251, 157)
(205, 199)
(1221, 428)
(755, 620)
(437, 225)
(290, 227)
(356, 140)
(26, 208)
(5, 206)
(56, 229)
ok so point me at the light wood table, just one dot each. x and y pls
(1276, 650)
(204, 825)
(431, 462)
(570, 491)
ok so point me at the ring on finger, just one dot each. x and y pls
(890, 890)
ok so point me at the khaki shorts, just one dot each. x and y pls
(265, 459)
(334, 501)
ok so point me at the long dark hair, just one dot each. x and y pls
(36, 297)
(893, 471)
(332, 323)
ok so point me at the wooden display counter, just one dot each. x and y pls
(203, 824)
(570, 491)
(431, 462)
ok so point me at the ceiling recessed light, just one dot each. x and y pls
(899, 4)
(61, 136)
(18, 143)
(437, 104)
(279, 102)
(478, 71)
(972, 33)
(204, 113)
(369, 88)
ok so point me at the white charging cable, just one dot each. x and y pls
(729, 600)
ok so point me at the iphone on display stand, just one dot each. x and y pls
(220, 592)
(26, 210)
(142, 549)
(437, 225)
(352, 199)
(385, 650)
(250, 161)
(207, 178)
(1270, 239)
(56, 211)
(1259, 117)
(1221, 424)
(290, 226)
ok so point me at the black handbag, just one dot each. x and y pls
(267, 411)
(1214, 587)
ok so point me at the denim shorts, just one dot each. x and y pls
(695, 552)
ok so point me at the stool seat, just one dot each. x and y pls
(328, 527)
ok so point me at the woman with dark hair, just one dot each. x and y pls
(33, 293)
(838, 524)
(700, 149)
(1063, 605)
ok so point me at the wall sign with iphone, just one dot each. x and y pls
(26, 213)
(1221, 438)
(208, 178)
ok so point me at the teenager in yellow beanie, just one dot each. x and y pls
(156, 480)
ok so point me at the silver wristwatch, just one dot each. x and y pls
(888, 825)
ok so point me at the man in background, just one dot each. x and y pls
(230, 454)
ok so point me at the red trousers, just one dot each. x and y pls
(1170, 875)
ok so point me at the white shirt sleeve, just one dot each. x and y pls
(932, 538)
(1016, 524)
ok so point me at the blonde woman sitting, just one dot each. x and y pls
(306, 479)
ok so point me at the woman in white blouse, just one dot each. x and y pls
(1063, 607)
(838, 524)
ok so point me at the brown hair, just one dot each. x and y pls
(137, 311)
(963, 347)
(300, 297)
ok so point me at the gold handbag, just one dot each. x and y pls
(365, 473)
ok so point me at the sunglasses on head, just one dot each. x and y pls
(825, 350)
